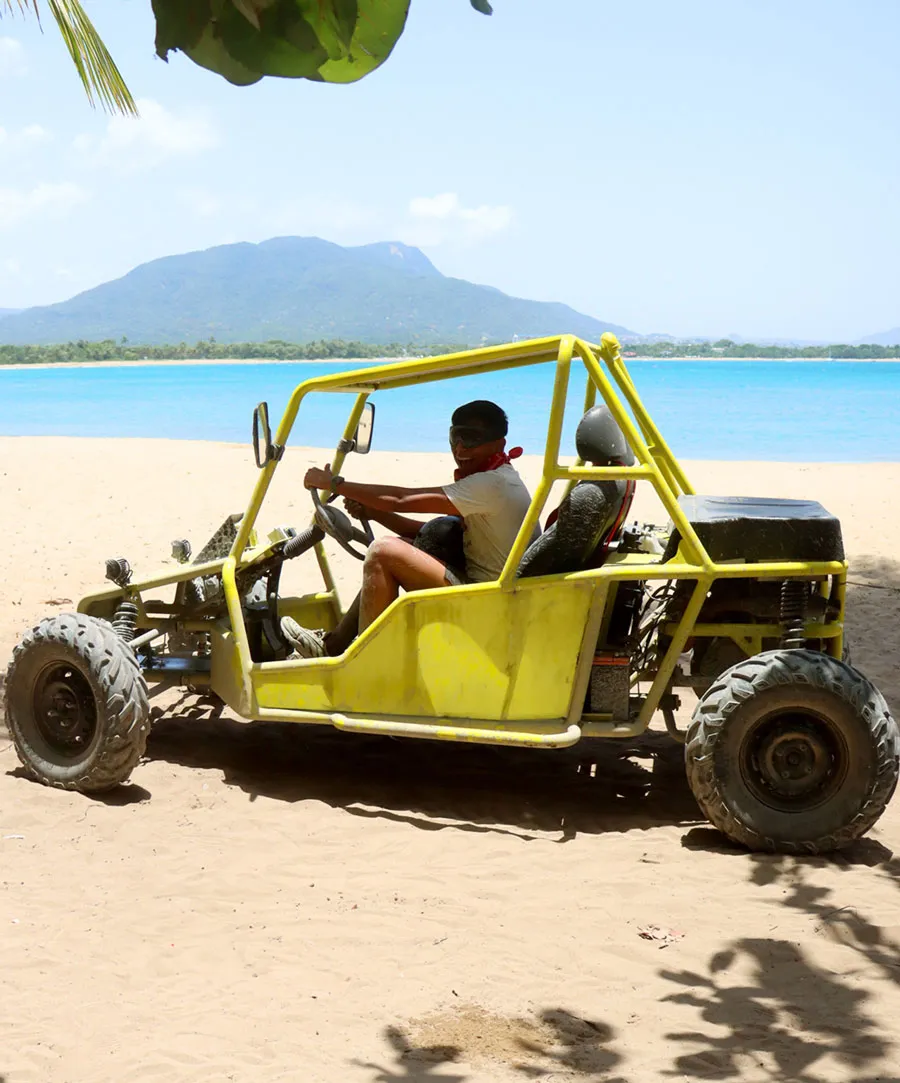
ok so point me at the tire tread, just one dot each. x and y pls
(122, 703)
(767, 670)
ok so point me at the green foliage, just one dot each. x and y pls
(725, 349)
(333, 41)
(96, 69)
(209, 349)
(337, 349)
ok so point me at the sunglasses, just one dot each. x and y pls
(469, 437)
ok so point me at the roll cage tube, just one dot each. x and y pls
(654, 463)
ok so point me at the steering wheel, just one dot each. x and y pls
(336, 524)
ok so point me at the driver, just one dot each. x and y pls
(487, 493)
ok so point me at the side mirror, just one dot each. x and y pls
(263, 448)
(363, 439)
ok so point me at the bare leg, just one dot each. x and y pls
(392, 563)
(347, 630)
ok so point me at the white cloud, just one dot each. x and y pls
(34, 133)
(443, 217)
(131, 143)
(442, 206)
(44, 200)
(12, 58)
(29, 136)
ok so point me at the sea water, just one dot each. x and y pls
(770, 410)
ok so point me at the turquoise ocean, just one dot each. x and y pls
(771, 410)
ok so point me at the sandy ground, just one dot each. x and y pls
(270, 903)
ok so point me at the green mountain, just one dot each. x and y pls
(297, 289)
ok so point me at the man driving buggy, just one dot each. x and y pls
(487, 495)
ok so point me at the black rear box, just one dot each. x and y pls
(756, 529)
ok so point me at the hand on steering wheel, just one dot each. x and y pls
(337, 525)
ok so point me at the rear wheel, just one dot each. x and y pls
(76, 704)
(794, 751)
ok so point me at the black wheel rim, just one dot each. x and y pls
(65, 711)
(794, 761)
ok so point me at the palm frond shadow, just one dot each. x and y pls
(414, 1063)
(776, 1003)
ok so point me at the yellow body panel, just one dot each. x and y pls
(310, 610)
(462, 652)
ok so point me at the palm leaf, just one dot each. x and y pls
(22, 5)
(97, 70)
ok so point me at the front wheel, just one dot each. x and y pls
(794, 751)
(76, 704)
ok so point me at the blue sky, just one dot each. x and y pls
(681, 166)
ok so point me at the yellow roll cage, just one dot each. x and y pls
(470, 662)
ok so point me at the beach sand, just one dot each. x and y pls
(272, 903)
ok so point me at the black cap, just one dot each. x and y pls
(478, 422)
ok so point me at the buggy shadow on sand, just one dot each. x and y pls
(595, 787)
(739, 599)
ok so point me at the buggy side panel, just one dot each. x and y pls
(462, 652)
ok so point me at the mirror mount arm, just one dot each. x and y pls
(273, 454)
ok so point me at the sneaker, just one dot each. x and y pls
(306, 643)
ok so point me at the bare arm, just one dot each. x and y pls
(394, 499)
(399, 524)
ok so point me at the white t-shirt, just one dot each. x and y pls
(493, 504)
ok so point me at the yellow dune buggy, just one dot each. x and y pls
(739, 600)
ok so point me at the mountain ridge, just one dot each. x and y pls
(296, 289)
(883, 338)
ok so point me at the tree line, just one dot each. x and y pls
(208, 349)
(725, 348)
(336, 349)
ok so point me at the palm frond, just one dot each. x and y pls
(97, 70)
(22, 5)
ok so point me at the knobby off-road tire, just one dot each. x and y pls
(794, 751)
(76, 704)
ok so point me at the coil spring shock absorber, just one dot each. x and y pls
(794, 594)
(125, 621)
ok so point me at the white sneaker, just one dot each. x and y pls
(306, 642)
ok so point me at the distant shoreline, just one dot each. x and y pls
(388, 360)
(205, 361)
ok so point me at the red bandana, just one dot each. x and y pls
(502, 458)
